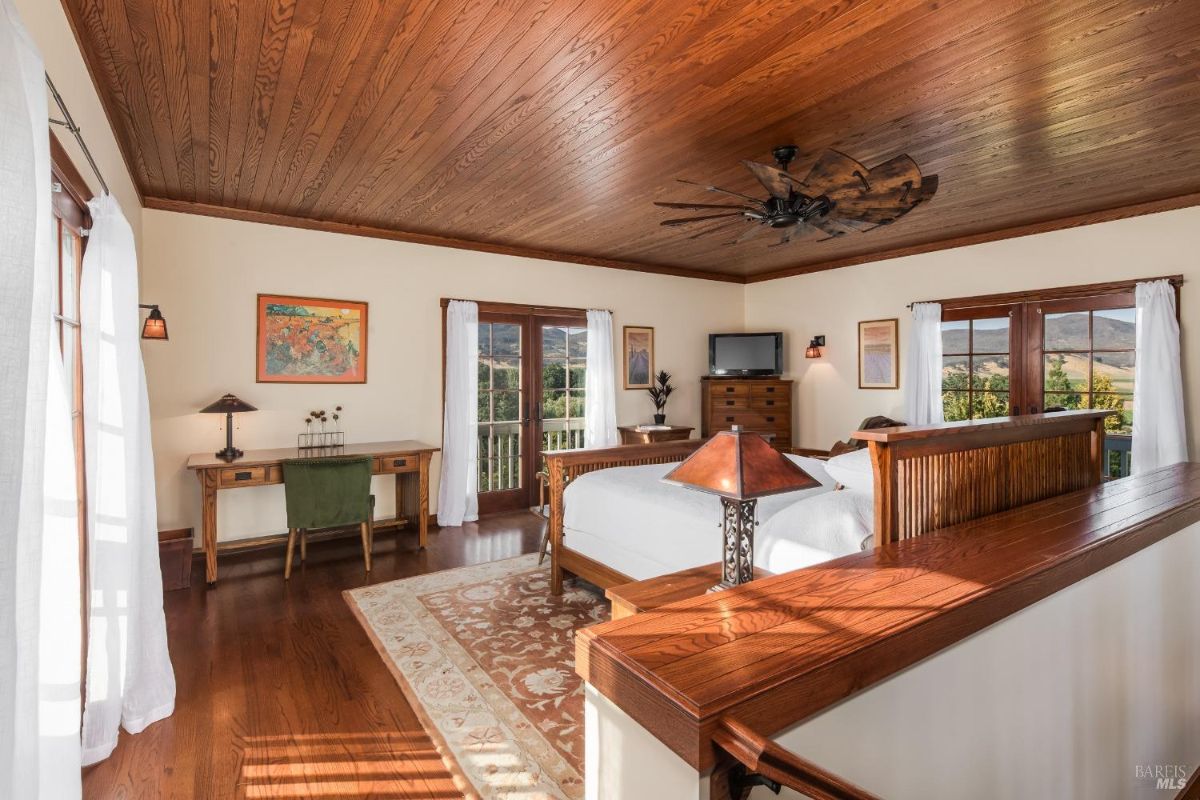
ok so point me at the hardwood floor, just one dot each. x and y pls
(280, 694)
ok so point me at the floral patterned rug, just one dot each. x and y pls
(487, 658)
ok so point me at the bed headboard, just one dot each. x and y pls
(932, 476)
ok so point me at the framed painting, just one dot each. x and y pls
(311, 340)
(638, 348)
(879, 354)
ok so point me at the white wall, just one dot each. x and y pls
(205, 273)
(48, 25)
(829, 404)
(1065, 699)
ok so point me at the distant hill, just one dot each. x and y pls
(1068, 332)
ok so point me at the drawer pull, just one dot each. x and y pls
(729, 419)
(242, 476)
(399, 462)
(728, 389)
(728, 402)
(770, 419)
(770, 402)
(771, 389)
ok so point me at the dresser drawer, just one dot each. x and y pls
(731, 403)
(750, 420)
(770, 404)
(391, 464)
(243, 476)
(722, 390)
(770, 391)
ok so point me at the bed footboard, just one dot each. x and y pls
(564, 466)
(932, 476)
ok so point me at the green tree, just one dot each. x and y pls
(1101, 385)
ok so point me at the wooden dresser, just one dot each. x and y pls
(761, 405)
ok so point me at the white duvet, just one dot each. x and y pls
(630, 520)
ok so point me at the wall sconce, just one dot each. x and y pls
(814, 347)
(155, 326)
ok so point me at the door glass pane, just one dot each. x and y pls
(1066, 331)
(956, 406)
(500, 402)
(990, 335)
(956, 337)
(1112, 372)
(1065, 372)
(954, 372)
(1113, 329)
(989, 373)
(989, 404)
(564, 363)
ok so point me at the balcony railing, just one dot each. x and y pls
(1117, 455)
(500, 450)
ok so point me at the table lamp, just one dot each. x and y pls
(740, 467)
(228, 405)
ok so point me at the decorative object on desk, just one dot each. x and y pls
(155, 327)
(814, 347)
(322, 439)
(228, 405)
(638, 347)
(309, 340)
(740, 467)
(659, 393)
(878, 354)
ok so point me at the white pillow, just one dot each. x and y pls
(853, 470)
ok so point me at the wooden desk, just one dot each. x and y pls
(634, 598)
(631, 435)
(407, 460)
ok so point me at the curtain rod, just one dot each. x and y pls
(517, 306)
(68, 122)
(1089, 290)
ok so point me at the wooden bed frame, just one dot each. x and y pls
(926, 476)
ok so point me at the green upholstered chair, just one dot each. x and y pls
(327, 493)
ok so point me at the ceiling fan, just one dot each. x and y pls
(838, 196)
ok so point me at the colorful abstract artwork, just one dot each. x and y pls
(311, 340)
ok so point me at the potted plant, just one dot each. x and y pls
(659, 392)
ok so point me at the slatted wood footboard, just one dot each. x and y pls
(564, 466)
(933, 476)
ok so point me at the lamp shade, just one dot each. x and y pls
(740, 465)
(228, 404)
(155, 326)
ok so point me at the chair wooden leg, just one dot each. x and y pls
(366, 542)
(303, 546)
(291, 548)
(371, 535)
(545, 546)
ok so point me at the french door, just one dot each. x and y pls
(531, 398)
(1025, 357)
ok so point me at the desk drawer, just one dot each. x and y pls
(390, 464)
(243, 476)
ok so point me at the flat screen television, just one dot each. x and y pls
(745, 354)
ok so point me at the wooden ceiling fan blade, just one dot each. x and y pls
(749, 234)
(699, 205)
(673, 222)
(718, 189)
(929, 187)
(830, 226)
(834, 174)
(775, 181)
(893, 175)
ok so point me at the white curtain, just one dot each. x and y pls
(129, 677)
(600, 382)
(39, 555)
(458, 494)
(1159, 435)
(922, 380)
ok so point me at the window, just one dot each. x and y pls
(1021, 353)
(1088, 361)
(564, 367)
(500, 398)
(975, 368)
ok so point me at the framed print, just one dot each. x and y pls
(879, 354)
(311, 340)
(638, 350)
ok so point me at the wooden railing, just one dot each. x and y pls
(759, 756)
(500, 451)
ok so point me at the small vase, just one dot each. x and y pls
(660, 419)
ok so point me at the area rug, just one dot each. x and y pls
(487, 658)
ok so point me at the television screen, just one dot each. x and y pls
(745, 353)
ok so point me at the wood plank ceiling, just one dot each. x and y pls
(549, 127)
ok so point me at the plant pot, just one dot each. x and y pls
(660, 419)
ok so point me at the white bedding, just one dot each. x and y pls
(629, 520)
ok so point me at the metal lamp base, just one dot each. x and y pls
(737, 561)
(230, 452)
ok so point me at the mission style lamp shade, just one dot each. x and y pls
(740, 467)
(155, 326)
(228, 405)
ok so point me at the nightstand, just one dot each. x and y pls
(630, 434)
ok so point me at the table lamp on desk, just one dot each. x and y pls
(228, 405)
